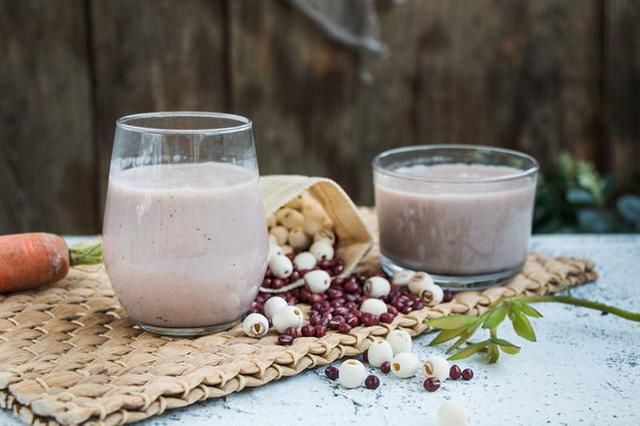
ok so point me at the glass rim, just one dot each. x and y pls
(456, 147)
(244, 123)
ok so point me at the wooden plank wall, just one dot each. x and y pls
(540, 76)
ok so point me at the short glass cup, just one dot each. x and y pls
(185, 237)
(462, 213)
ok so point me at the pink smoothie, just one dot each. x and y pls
(185, 245)
(463, 228)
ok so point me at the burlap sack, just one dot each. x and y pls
(354, 240)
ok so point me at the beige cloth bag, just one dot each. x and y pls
(354, 239)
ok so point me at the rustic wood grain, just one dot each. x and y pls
(299, 88)
(47, 173)
(622, 61)
(155, 55)
(539, 76)
(523, 75)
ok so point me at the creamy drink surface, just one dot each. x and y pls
(458, 225)
(185, 245)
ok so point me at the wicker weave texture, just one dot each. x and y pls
(69, 355)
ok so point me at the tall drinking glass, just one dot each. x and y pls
(185, 238)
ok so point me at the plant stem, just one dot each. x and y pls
(493, 331)
(85, 254)
(579, 302)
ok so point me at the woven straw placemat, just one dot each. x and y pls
(68, 353)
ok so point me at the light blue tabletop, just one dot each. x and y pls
(584, 369)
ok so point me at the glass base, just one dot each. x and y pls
(188, 331)
(459, 282)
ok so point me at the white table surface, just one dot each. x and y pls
(584, 369)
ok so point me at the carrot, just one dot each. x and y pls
(31, 260)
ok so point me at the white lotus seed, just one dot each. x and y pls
(275, 250)
(400, 341)
(311, 226)
(322, 250)
(373, 306)
(305, 261)
(271, 221)
(287, 249)
(289, 316)
(280, 233)
(273, 305)
(402, 278)
(255, 325)
(419, 281)
(377, 287)
(318, 281)
(325, 234)
(437, 366)
(405, 364)
(352, 374)
(432, 295)
(453, 413)
(289, 218)
(379, 351)
(273, 239)
(281, 266)
(298, 240)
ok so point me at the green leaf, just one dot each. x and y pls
(523, 327)
(451, 322)
(446, 335)
(506, 346)
(493, 353)
(529, 310)
(496, 316)
(469, 350)
(470, 331)
(511, 350)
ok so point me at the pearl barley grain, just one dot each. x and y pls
(289, 218)
(305, 261)
(400, 341)
(322, 250)
(402, 278)
(273, 305)
(280, 233)
(281, 266)
(298, 239)
(379, 352)
(311, 226)
(405, 364)
(325, 235)
(289, 316)
(377, 287)
(271, 221)
(453, 413)
(318, 281)
(373, 306)
(255, 325)
(352, 374)
(275, 250)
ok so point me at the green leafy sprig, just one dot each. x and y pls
(518, 310)
(85, 254)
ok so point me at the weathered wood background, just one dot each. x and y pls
(540, 76)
